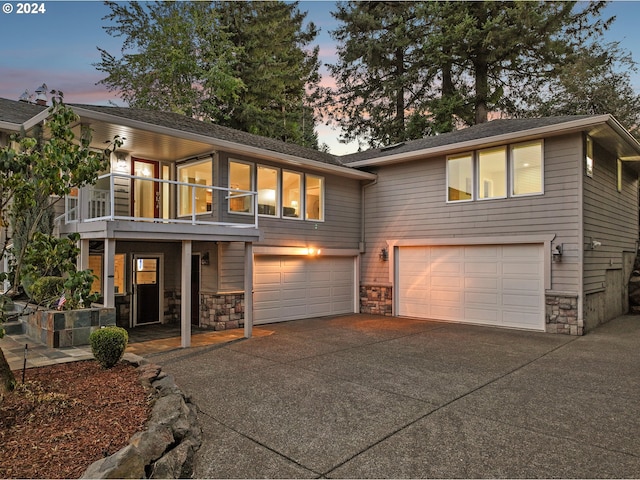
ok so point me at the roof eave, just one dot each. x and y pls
(226, 145)
(522, 135)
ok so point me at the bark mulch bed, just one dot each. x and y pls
(67, 416)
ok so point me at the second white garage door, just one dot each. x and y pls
(486, 284)
(293, 287)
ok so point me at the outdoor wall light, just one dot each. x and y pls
(557, 253)
(204, 259)
(384, 255)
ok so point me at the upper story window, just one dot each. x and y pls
(193, 198)
(291, 194)
(589, 158)
(281, 193)
(492, 173)
(241, 179)
(460, 177)
(497, 172)
(268, 190)
(314, 201)
(526, 161)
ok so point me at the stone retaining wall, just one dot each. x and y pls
(167, 446)
(67, 328)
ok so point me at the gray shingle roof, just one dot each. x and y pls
(476, 132)
(13, 111)
(191, 125)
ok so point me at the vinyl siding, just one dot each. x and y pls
(610, 217)
(409, 202)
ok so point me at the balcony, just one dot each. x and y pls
(143, 199)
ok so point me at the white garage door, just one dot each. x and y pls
(293, 287)
(485, 284)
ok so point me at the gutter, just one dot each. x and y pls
(548, 130)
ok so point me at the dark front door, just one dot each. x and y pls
(195, 290)
(146, 279)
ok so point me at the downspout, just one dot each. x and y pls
(362, 246)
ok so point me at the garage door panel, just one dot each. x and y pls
(486, 268)
(479, 315)
(440, 268)
(451, 282)
(518, 269)
(486, 284)
(484, 298)
(520, 300)
(289, 288)
(448, 296)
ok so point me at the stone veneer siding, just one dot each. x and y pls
(376, 300)
(222, 311)
(67, 328)
(561, 314)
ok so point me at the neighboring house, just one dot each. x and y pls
(520, 223)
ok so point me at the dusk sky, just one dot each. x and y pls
(59, 47)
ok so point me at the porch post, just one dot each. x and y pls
(109, 271)
(185, 295)
(248, 289)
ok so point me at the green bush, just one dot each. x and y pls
(47, 290)
(108, 345)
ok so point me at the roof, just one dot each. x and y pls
(604, 128)
(476, 132)
(187, 124)
(15, 112)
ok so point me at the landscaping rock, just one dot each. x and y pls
(166, 448)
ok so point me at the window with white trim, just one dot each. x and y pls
(291, 194)
(494, 173)
(460, 177)
(268, 190)
(240, 182)
(526, 169)
(314, 199)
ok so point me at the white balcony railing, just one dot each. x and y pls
(193, 203)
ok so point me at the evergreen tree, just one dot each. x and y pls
(410, 69)
(278, 68)
(241, 64)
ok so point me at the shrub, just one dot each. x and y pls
(108, 345)
(47, 290)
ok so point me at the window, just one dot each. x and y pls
(119, 261)
(240, 178)
(492, 173)
(95, 265)
(314, 201)
(268, 191)
(526, 168)
(291, 194)
(589, 158)
(193, 199)
(459, 177)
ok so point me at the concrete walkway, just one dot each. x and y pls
(375, 397)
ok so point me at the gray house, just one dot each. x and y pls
(525, 223)
(518, 223)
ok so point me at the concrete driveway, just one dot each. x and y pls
(363, 396)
